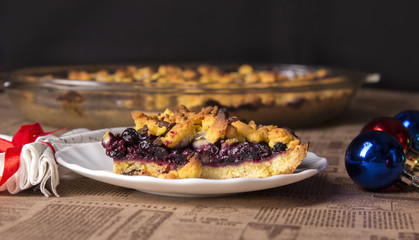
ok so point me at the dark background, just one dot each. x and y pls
(373, 36)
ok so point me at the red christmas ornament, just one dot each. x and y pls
(391, 126)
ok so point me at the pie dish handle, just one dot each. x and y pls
(372, 78)
(4, 77)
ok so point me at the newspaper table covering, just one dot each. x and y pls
(328, 205)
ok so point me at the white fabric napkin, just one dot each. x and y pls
(38, 167)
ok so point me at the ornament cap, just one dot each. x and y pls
(412, 160)
(409, 178)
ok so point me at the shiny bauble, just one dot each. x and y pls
(375, 160)
(392, 126)
(410, 120)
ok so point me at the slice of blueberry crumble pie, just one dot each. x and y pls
(209, 144)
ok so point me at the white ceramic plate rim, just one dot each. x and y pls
(89, 160)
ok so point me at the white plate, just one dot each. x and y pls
(90, 160)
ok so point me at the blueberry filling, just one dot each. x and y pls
(137, 145)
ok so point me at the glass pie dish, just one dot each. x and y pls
(297, 95)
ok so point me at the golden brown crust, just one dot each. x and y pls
(193, 169)
(180, 135)
(218, 128)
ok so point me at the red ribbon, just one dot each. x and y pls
(26, 134)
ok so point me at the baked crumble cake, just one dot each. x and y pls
(247, 91)
(208, 144)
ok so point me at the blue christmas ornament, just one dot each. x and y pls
(410, 120)
(375, 160)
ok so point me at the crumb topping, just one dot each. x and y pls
(181, 127)
(204, 73)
